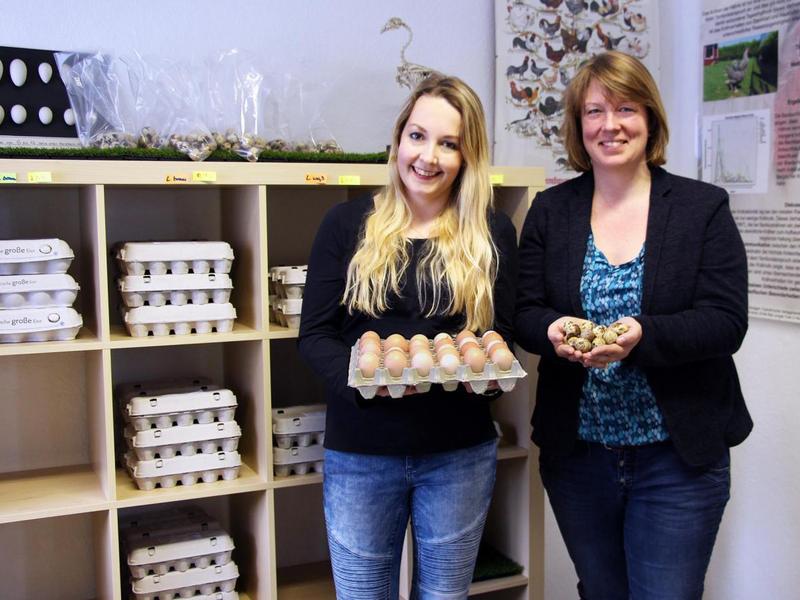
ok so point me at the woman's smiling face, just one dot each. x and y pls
(428, 156)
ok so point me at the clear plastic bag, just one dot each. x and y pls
(306, 128)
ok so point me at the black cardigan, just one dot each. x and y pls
(436, 421)
(694, 311)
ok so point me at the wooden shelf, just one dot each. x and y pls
(86, 340)
(312, 581)
(276, 332)
(509, 452)
(50, 493)
(240, 333)
(494, 585)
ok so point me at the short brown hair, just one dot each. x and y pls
(626, 78)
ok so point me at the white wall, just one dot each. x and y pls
(338, 43)
(335, 43)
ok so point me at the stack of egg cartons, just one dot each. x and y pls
(179, 432)
(176, 287)
(298, 433)
(179, 552)
(286, 294)
(36, 294)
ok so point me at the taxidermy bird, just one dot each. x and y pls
(408, 74)
(736, 70)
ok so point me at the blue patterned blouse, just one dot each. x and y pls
(617, 406)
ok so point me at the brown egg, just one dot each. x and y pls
(464, 340)
(370, 335)
(420, 338)
(395, 361)
(468, 343)
(417, 344)
(422, 361)
(445, 349)
(449, 363)
(493, 346)
(443, 338)
(367, 364)
(491, 336)
(503, 359)
(395, 341)
(370, 345)
(464, 333)
(475, 359)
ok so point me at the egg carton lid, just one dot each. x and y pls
(142, 406)
(174, 546)
(179, 385)
(20, 251)
(297, 454)
(159, 467)
(298, 419)
(290, 306)
(171, 251)
(46, 282)
(137, 531)
(293, 275)
(181, 435)
(190, 577)
(170, 313)
(39, 319)
(188, 281)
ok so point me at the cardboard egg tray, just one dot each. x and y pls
(179, 320)
(187, 470)
(189, 583)
(298, 460)
(37, 291)
(188, 440)
(179, 385)
(177, 258)
(171, 521)
(157, 290)
(39, 324)
(298, 425)
(288, 281)
(204, 405)
(368, 387)
(28, 257)
(165, 552)
(287, 312)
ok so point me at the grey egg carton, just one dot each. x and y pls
(174, 520)
(29, 257)
(37, 291)
(187, 470)
(187, 583)
(218, 595)
(298, 460)
(179, 320)
(167, 552)
(287, 312)
(368, 387)
(39, 324)
(163, 410)
(188, 440)
(157, 290)
(178, 258)
(289, 281)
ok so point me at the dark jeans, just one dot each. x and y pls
(638, 523)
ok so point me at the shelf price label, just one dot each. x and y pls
(177, 178)
(205, 176)
(40, 177)
(349, 179)
(8, 178)
(496, 178)
(317, 178)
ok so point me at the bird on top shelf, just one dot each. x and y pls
(408, 74)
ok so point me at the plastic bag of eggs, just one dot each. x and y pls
(586, 335)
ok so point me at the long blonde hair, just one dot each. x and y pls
(456, 272)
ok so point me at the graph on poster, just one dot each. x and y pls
(736, 150)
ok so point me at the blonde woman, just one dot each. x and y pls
(634, 435)
(424, 255)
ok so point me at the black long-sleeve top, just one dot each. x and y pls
(435, 421)
(693, 318)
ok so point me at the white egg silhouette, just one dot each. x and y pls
(45, 72)
(69, 117)
(18, 72)
(45, 115)
(18, 114)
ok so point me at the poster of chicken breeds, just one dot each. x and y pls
(540, 45)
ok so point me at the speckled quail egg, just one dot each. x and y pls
(580, 344)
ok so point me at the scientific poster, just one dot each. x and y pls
(539, 45)
(750, 138)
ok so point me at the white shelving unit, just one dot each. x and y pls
(62, 493)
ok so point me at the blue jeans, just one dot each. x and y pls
(368, 501)
(638, 522)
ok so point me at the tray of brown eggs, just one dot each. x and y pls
(586, 335)
(397, 362)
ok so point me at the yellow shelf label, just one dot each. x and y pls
(496, 178)
(204, 176)
(349, 179)
(317, 178)
(177, 178)
(40, 177)
(8, 178)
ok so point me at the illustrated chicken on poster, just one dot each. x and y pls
(539, 45)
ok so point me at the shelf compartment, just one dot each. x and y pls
(494, 585)
(310, 581)
(121, 339)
